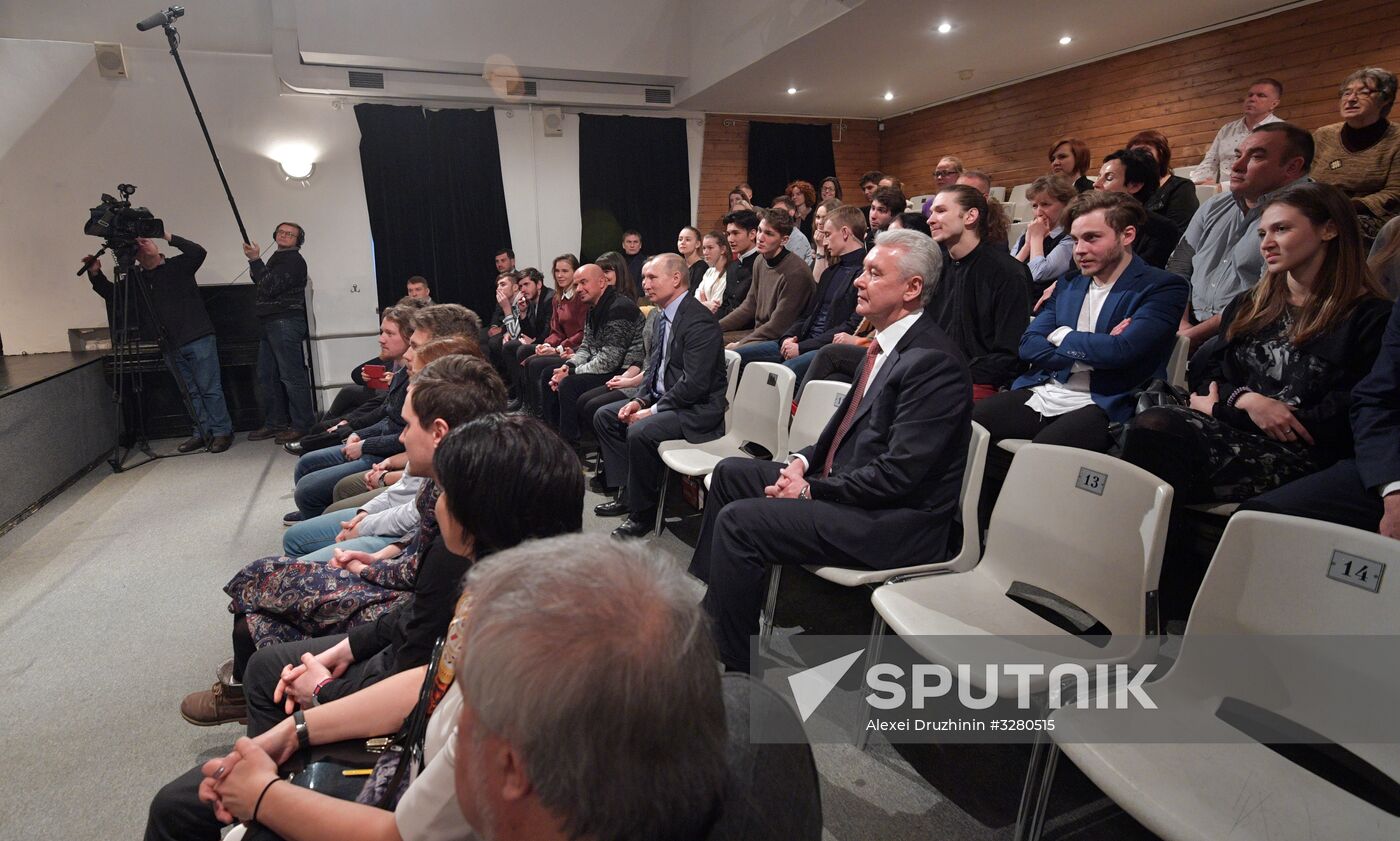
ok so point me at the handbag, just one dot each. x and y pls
(1155, 394)
(373, 772)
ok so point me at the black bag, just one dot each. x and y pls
(1155, 394)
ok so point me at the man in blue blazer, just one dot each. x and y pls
(1363, 491)
(1101, 336)
(879, 488)
(681, 396)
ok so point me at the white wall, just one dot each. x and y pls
(70, 136)
(540, 175)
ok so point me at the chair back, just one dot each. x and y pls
(1085, 528)
(1176, 365)
(1018, 193)
(763, 406)
(731, 370)
(970, 497)
(820, 400)
(1274, 574)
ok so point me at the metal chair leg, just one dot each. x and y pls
(872, 656)
(661, 501)
(770, 604)
(1035, 793)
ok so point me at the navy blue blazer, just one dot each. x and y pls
(1375, 412)
(1154, 299)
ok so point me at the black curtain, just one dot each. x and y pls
(633, 173)
(781, 153)
(437, 207)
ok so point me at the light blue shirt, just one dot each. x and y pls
(1052, 266)
(801, 246)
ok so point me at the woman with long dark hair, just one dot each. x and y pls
(1271, 399)
(614, 267)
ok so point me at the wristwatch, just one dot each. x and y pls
(303, 736)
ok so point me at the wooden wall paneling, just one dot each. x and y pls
(1186, 88)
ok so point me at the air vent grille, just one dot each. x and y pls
(366, 79)
(658, 96)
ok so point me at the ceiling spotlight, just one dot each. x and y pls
(889, 95)
(792, 90)
(1064, 41)
(944, 28)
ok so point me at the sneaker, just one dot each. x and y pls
(264, 433)
(219, 704)
(289, 436)
(292, 518)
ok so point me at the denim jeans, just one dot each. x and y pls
(319, 532)
(282, 379)
(369, 543)
(316, 474)
(198, 364)
(772, 352)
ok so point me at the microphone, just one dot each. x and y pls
(161, 18)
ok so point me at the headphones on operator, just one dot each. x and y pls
(301, 232)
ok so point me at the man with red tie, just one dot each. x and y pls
(880, 487)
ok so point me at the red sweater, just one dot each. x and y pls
(566, 323)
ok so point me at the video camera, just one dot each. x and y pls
(116, 221)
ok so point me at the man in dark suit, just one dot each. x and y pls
(880, 486)
(1363, 491)
(682, 396)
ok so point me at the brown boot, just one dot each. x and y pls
(219, 704)
(265, 433)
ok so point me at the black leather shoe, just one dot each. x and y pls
(191, 444)
(220, 443)
(611, 508)
(633, 526)
(264, 433)
(294, 448)
(597, 485)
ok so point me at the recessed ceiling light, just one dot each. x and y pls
(888, 96)
(945, 27)
(1064, 41)
(792, 90)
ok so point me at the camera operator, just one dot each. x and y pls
(281, 308)
(179, 309)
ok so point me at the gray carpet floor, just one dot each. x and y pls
(112, 611)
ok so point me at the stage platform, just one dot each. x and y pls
(56, 420)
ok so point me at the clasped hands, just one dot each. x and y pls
(297, 683)
(632, 411)
(790, 482)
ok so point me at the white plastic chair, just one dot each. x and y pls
(731, 370)
(1269, 576)
(1106, 577)
(760, 414)
(998, 193)
(1205, 191)
(1015, 230)
(820, 400)
(1176, 365)
(1183, 171)
(916, 203)
(1018, 193)
(966, 558)
(1038, 537)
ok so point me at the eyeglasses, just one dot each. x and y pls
(1359, 93)
(944, 173)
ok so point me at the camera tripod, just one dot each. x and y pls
(131, 299)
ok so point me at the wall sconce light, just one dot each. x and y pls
(295, 163)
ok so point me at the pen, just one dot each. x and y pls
(356, 772)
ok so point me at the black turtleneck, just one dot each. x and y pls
(1360, 139)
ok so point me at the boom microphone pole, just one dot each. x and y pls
(166, 20)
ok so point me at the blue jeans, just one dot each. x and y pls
(198, 364)
(364, 544)
(286, 389)
(772, 352)
(316, 474)
(316, 533)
